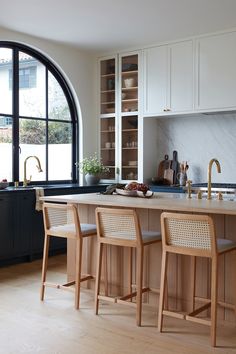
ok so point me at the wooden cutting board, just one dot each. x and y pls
(163, 165)
(169, 175)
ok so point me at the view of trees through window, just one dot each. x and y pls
(40, 122)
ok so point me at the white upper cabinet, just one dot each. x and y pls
(155, 80)
(216, 67)
(181, 77)
(168, 79)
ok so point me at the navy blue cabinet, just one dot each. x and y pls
(21, 226)
(7, 226)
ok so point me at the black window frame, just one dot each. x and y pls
(49, 67)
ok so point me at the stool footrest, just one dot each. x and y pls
(125, 302)
(200, 309)
(86, 277)
(198, 320)
(220, 303)
(107, 298)
(134, 294)
(60, 286)
(173, 314)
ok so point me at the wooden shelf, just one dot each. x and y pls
(130, 148)
(130, 130)
(130, 100)
(107, 149)
(110, 102)
(108, 91)
(132, 72)
(127, 166)
(130, 88)
(107, 131)
(108, 75)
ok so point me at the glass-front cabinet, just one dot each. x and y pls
(119, 112)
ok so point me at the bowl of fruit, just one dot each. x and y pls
(4, 184)
(135, 189)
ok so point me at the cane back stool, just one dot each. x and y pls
(121, 227)
(62, 220)
(193, 235)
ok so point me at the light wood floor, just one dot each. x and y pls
(55, 327)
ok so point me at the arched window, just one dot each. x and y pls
(37, 117)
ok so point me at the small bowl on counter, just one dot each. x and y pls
(4, 185)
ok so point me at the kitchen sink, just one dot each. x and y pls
(228, 193)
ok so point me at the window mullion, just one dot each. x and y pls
(46, 92)
(15, 111)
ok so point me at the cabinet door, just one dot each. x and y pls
(7, 226)
(22, 239)
(108, 108)
(216, 72)
(181, 77)
(155, 80)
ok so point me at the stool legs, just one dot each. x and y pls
(98, 276)
(44, 266)
(78, 265)
(214, 281)
(139, 284)
(162, 289)
(130, 261)
(193, 282)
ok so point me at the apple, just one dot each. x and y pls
(135, 186)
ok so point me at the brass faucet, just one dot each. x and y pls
(209, 175)
(27, 181)
(189, 191)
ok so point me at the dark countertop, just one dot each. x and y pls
(69, 186)
(86, 189)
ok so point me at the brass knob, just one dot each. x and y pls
(188, 184)
(199, 195)
(220, 196)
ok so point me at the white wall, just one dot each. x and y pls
(197, 139)
(78, 67)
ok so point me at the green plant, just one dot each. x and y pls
(92, 165)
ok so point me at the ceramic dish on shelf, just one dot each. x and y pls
(4, 185)
(127, 193)
(133, 163)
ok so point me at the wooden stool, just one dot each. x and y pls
(62, 220)
(121, 227)
(192, 235)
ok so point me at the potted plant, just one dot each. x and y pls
(92, 168)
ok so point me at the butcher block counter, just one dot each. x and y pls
(223, 213)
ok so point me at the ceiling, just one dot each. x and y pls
(108, 25)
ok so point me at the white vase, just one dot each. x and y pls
(92, 179)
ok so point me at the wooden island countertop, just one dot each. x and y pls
(159, 201)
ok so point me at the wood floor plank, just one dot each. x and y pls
(55, 327)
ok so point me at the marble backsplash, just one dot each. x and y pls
(197, 140)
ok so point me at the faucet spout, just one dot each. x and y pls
(209, 175)
(27, 181)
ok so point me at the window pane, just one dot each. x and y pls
(59, 151)
(32, 87)
(6, 148)
(57, 104)
(6, 80)
(32, 135)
